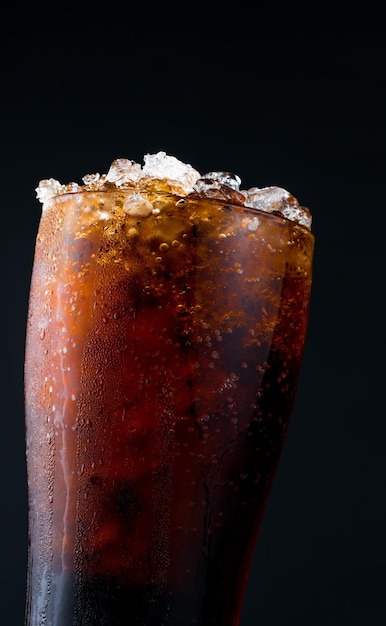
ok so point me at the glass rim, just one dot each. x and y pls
(190, 198)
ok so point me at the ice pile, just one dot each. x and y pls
(181, 179)
(277, 199)
(125, 174)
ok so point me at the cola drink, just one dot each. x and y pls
(164, 342)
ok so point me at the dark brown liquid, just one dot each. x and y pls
(162, 360)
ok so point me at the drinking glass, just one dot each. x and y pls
(165, 336)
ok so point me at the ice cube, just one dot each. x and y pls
(123, 171)
(164, 167)
(137, 206)
(269, 198)
(276, 199)
(48, 188)
(222, 186)
(300, 214)
(225, 178)
(91, 179)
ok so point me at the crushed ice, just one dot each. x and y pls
(216, 179)
(277, 200)
(182, 179)
(123, 171)
(161, 166)
(222, 186)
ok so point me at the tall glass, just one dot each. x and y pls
(164, 342)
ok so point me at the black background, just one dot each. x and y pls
(290, 96)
